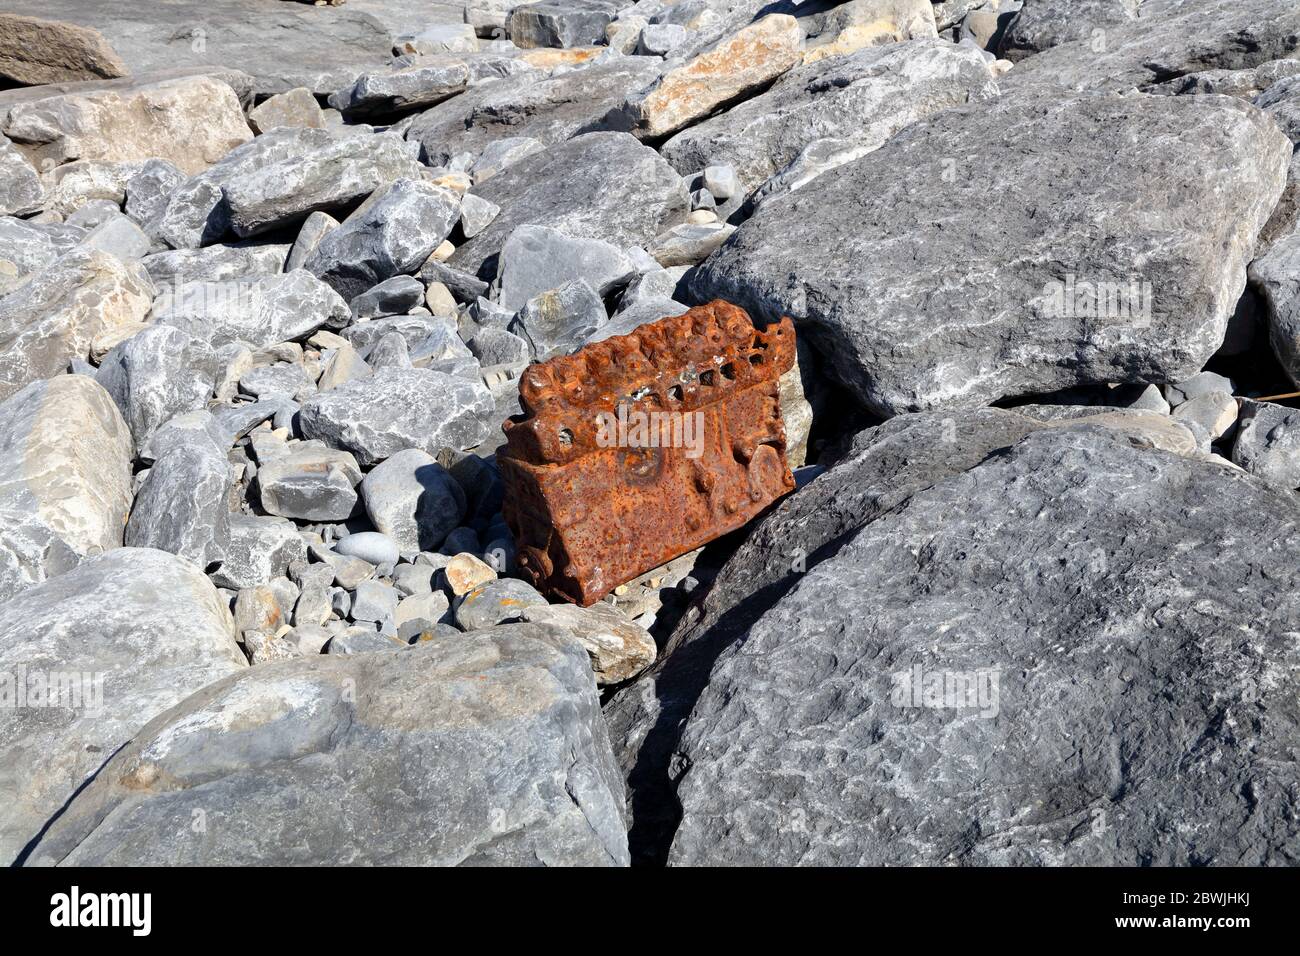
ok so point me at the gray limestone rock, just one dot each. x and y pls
(860, 100)
(626, 196)
(392, 232)
(491, 746)
(157, 373)
(1047, 616)
(65, 479)
(258, 551)
(259, 312)
(502, 121)
(183, 505)
(413, 500)
(537, 259)
(116, 641)
(310, 482)
(400, 408)
(1063, 289)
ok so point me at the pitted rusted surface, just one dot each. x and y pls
(589, 513)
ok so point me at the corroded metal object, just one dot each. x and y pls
(643, 447)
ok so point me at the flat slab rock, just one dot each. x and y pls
(282, 45)
(1126, 701)
(548, 109)
(485, 748)
(1168, 38)
(922, 293)
(148, 626)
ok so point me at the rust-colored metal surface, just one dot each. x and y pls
(643, 447)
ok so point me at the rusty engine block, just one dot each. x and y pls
(640, 448)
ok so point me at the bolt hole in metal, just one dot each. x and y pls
(566, 437)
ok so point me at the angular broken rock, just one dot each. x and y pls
(560, 321)
(560, 23)
(1169, 38)
(857, 24)
(501, 121)
(1043, 24)
(972, 580)
(311, 482)
(183, 505)
(1276, 276)
(190, 121)
(258, 312)
(537, 259)
(392, 232)
(739, 64)
(217, 263)
(490, 745)
(146, 630)
(626, 196)
(400, 408)
(296, 108)
(258, 551)
(851, 258)
(1268, 443)
(21, 191)
(65, 479)
(321, 170)
(387, 91)
(52, 318)
(619, 648)
(279, 178)
(596, 493)
(157, 373)
(857, 101)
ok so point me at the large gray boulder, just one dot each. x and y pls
(626, 195)
(183, 504)
(324, 170)
(880, 469)
(399, 408)
(391, 233)
(548, 109)
(922, 292)
(1169, 38)
(157, 373)
(112, 643)
(55, 315)
(280, 177)
(1109, 720)
(1042, 24)
(490, 747)
(857, 101)
(65, 479)
(257, 311)
(392, 90)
